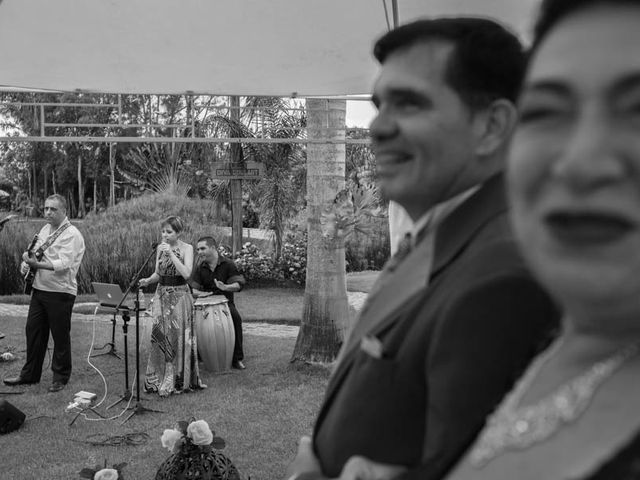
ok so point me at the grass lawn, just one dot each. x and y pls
(272, 304)
(260, 412)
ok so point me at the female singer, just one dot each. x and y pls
(173, 359)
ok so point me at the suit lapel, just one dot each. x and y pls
(396, 285)
(390, 292)
(345, 364)
(459, 228)
(398, 292)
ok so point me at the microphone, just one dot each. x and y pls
(154, 245)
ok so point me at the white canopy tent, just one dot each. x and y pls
(223, 47)
(289, 48)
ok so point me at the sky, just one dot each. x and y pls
(359, 113)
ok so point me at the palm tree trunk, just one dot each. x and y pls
(112, 176)
(325, 311)
(236, 185)
(44, 182)
(95, 194)
(81, 210)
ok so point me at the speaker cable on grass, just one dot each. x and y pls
(81, 411)
(129, 439)
(93, 341)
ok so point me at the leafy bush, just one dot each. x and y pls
(117, 241)
(368, 251)
(293, 262)
(120, 239)
(259, 268)
(16, 237)
(362, 252)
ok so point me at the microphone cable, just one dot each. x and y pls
(81, 411)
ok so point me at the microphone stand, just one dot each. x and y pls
(126, 396)
(138, 408)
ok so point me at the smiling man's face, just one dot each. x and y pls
(207, 253)
(423, 134)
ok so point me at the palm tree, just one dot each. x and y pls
(157, 167)
(325, 312)
(282, 187)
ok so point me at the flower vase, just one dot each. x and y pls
(197, 463)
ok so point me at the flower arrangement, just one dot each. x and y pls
(192, 445)
(104, 473)
(191, 435)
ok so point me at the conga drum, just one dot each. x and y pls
(214, 332)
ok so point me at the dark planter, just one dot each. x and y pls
(197, 463)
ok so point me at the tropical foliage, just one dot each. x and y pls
(120, 238)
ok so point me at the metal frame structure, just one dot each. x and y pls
(111, 129)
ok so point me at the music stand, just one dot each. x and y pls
(126, 396)
(112, 344)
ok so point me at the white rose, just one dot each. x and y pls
(106, 474)
(200, 432)
(170, 438)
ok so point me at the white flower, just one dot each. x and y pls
(200, 433)
(106, 474)
(170, 438)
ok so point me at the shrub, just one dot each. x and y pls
(16, 237)
(120, 239)
(293, 262)
(368, 251)
(259, 268)
(117, 240)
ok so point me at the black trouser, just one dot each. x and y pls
(48, 311)
(238, 354)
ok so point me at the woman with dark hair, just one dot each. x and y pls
(574, 178)
(173, 358)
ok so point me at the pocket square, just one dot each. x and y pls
(371, 346)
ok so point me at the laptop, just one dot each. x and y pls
(110, 295)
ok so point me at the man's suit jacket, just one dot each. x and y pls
(450, 349)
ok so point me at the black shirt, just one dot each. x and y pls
(226, 272)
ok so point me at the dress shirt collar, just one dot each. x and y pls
(433, 217)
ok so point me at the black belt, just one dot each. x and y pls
(172, 281)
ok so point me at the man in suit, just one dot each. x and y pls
(454, 316)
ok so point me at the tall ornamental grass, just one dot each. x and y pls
(14, 240)
(117, 241)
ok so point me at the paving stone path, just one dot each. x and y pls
(356, 299)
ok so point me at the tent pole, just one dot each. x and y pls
(394, 9)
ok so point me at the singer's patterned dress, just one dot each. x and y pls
(173, 352)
